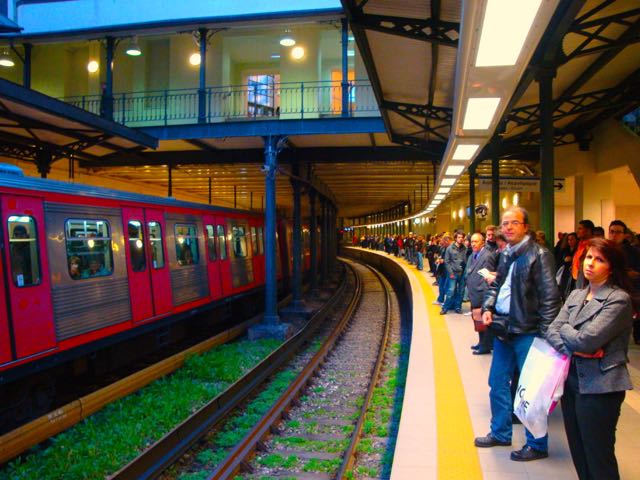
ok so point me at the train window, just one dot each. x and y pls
(222, 243)
(136, 246)
(254, 241)
(187, 244)
(260, 241)
(306, 239)
(211, 243)
(239, 240)
(155, 238)
(88, 248)
(23, 245)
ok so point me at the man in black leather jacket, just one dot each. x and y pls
(519, 305)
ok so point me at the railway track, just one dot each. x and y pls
(312, 428)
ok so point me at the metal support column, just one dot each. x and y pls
(545, 80)
(495, 180)
(44, 159)
(26, 71)
(472, 198)
(271, 281)
(313, 225)
(345, 68)
(107, 94)
(296, 277)
(324, 264)
(202, 90)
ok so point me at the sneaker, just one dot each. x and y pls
(527, 454)
(490, 441)
(467, 314)
(436, 303)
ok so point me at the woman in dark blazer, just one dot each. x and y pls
(594, 326)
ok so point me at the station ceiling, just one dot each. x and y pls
(409, 48)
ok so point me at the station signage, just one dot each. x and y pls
(519, 184)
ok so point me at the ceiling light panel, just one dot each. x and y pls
(480, 112)
(447, 182)
(505, 28)
(465, 152)
(444, 189)
(453, 170)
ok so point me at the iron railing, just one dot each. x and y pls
(293, 100)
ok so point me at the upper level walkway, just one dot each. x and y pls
(446, 401)
(233, 103)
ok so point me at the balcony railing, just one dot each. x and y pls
(300, 100)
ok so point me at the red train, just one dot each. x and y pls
(81, 265)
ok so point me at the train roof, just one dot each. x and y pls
(12, 177)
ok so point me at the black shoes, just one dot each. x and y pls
(490, 441)
(475, 347)
(443, 311)
(527, 454)
(481, 352)
(458, 310)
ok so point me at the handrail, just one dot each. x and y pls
(285, 100)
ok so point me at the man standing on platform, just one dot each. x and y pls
(455, 260)
(519, 305)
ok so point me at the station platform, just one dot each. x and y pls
(446, 403)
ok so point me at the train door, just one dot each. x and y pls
(27, 275)
(137, 263)
(158, 264)
(222, 237)
(5, 333)
(213, 257)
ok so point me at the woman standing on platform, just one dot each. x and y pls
(563, 276)
(594, 327)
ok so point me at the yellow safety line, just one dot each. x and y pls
(457, 456)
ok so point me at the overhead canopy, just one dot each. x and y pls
(36, 127)
(8, 26)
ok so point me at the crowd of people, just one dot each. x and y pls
(582, 295)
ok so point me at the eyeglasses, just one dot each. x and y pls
(615, 232)
(513, 223)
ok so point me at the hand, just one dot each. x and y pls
(487, 318)
(490, 278)
(452, 276)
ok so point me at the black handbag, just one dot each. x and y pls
(499, 326)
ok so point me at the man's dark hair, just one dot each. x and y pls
(522, 211)
(588, 224)
(619, 223)
(598, 231)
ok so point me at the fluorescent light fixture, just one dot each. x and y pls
(351, 38)
(444, 189)
(287, 39)
(275, 56)
(448, 182)
(351, 53)
(133, 48)
(439, 196)
(504, 30)
(453, 170)
(465, 152)
(480, 113)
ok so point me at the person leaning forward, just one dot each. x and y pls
(518, 306)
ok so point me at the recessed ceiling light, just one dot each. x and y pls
(351, 53)
(465, 152)
(439, 196)
(480, 113)
(287, 39)
(6, 60)
(453, 170)
(447, 182)
(444, 189)
(505, 28)
(133, 49)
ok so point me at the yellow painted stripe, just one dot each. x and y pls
(457, 456)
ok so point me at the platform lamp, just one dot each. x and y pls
(133, 48)
(287, 39)
(6, 60)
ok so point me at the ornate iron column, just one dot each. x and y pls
(544, 77)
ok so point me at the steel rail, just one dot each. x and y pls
(167, 450)
(236, 457)
(350, 454)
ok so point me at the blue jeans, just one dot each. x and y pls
(454, 293)
(506, 355)
(443, 281)
(419, 261)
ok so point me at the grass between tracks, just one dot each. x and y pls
(106, 441)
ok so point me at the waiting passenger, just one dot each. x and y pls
(187, 256)
(74, 267)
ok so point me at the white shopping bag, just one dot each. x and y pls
(540, 387)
